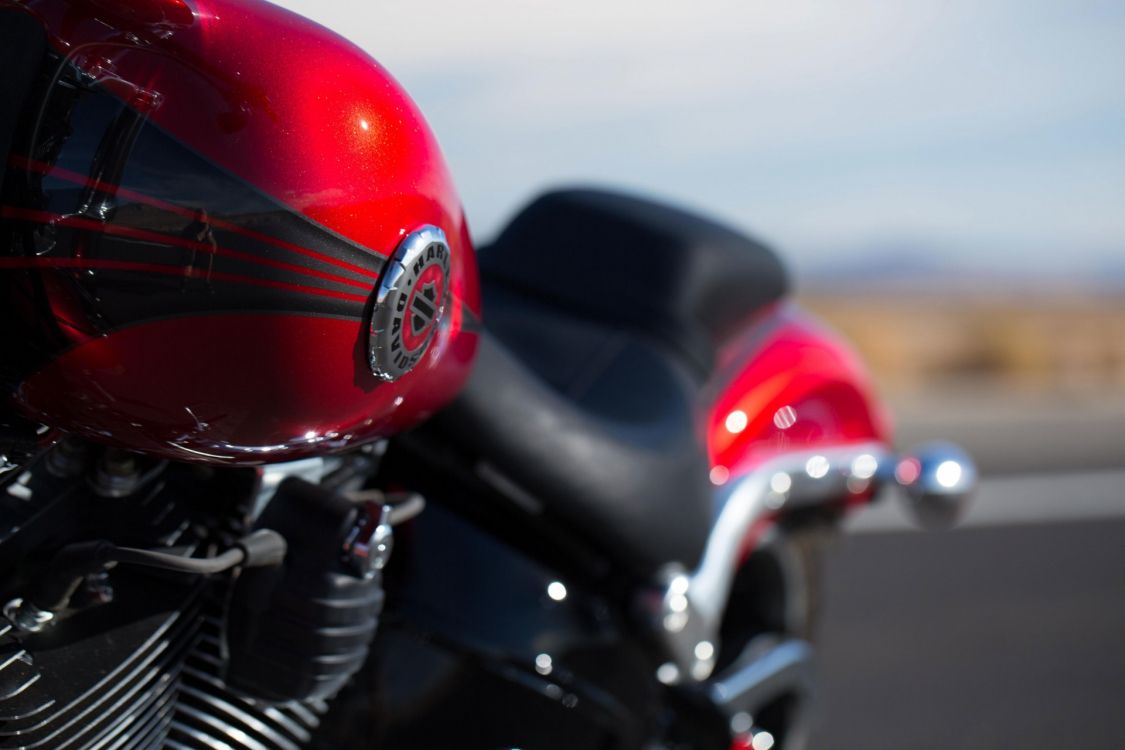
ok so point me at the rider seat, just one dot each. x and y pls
(603, 313)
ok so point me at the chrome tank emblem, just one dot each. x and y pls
(409, 303)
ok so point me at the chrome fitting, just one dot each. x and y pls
(26, 616)
(368, 546)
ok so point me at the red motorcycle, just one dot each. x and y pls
(250, 347)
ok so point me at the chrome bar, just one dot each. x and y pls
(765, 673)
(693, 603)
(938, 479)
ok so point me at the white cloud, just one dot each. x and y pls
(982, 125)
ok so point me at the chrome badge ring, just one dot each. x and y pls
(408, 303)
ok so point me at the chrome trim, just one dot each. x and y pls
(939, 480)
(768, 670)
(693, 603)
(387, 354)
(370, 541)
(25, 616)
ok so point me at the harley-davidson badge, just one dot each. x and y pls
(409, 302)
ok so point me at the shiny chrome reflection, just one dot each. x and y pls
(762, 740)
(556, 590)
(544, 664)
(768, 669)
(785, 417)
(736, 421)
(939, 479)
(764, 672)
(692, 604)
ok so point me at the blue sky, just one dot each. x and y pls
(989, 134)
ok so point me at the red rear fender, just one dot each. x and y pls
(787, 385)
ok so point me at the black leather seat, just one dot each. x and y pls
(638, 264)
(602, 315)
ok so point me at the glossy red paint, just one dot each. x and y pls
(305, 119)
(281, 102)
(788, 385)
(66, 175)
(134, 375)
(160, 239)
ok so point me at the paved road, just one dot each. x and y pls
(1009, 633)
(1008, 433)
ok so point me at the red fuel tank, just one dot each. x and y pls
(228, 234)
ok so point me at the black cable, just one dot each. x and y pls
(73, 563)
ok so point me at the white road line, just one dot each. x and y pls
(1047, 498)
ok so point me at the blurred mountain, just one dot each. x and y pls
(1113, 271)
(914, 267)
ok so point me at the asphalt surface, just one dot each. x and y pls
(1007, 434)
(1008, 633)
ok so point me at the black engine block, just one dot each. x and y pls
(141, 658)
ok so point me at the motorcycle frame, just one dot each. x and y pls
(519, 635)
